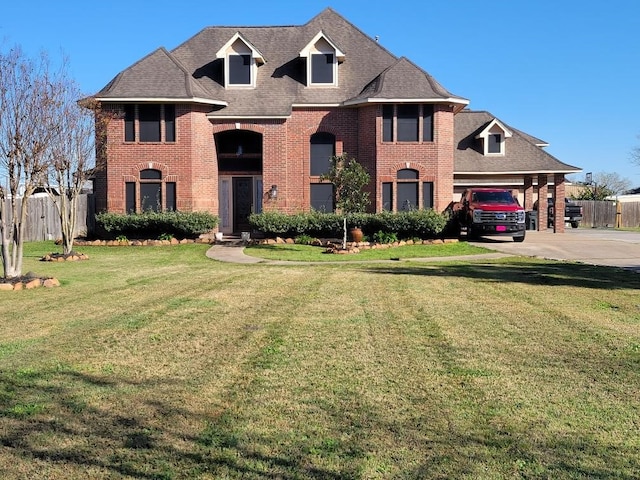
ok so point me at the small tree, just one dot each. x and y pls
(72, 156)
(349, 179)
(29, 93)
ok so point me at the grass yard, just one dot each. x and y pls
(310, 253)
(159, 363)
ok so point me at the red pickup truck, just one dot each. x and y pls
(490, 211)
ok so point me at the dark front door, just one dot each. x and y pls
(242, 202)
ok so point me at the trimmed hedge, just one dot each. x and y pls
(423, 224)
(153, 224)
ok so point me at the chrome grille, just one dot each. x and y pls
(499, 217)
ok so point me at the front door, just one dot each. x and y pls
(242, 203)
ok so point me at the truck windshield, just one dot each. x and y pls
(493, 197)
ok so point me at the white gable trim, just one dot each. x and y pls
(495, 122)
(305, 52)
(255, 53)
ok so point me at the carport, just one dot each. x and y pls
(490, 153)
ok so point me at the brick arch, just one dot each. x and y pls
(135, 170)
(391, 173)
(393, 169)
(336, 132)
(225, 127)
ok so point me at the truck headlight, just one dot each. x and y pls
(477, 216)
(521, 216)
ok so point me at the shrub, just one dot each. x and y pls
(304, 240)
(155, 224)
(411, 224)
(385, 237)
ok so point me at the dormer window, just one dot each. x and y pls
(241, 61)
(323, 66)
(239, 69)
(493, 138)
(495, 143)
(322, 58)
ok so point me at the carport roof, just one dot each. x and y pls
(523, 152)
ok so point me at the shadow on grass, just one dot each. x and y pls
(524, 271)
(147, 439)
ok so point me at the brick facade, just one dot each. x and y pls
(191, 161)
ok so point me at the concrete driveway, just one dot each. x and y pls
(593, 246)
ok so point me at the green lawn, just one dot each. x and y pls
(159, 363)
(310, 253)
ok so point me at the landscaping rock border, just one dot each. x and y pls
(28, 282)
(334, 246)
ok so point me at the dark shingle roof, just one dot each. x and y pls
(405, 81)
(158, 75)
(281, 81)
(522, 155)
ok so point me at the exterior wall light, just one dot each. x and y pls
(273, 193)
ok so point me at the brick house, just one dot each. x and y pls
(244, 119)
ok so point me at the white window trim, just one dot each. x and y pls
(228, 50)
(495, 127)
(312, 48)
(227, 72)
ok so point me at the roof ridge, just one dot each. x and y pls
(188, 77)
(116, 80)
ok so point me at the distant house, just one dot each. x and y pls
(244, 119)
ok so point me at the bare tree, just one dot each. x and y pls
(72, 156)
(604, 184)
(29, 93)
(635, 155)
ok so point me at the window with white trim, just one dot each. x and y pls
(241, 60)
(321, 59)
(494, 143)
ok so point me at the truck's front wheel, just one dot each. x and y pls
(519, 239)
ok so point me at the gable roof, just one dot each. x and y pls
(281, 80)
(523, 153)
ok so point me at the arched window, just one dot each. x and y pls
(323, 147)
(407, 193)
(155, 194)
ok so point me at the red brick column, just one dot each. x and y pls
(558, 195)
(528, 193)
(542, 201)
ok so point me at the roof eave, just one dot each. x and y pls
(213, 116)
(517, 172)
(204, 101)
(370, 100)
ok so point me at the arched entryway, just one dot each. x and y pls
(239, 155)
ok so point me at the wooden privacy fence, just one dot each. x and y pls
(43, 221)
(610, 214)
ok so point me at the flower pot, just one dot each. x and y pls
(356, 234)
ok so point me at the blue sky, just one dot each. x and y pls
(565, 71)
